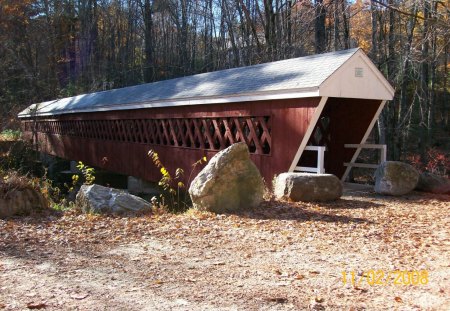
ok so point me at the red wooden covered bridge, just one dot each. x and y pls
(287, 112)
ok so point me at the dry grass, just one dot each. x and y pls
(12, 181)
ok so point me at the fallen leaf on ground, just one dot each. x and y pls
(319, 299)
(363, 290)
(79, 296)
(278, 299)
(398, 299)
(36, 305)
(299, 277)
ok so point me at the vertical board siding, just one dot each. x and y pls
(127, 153)
(348, 120)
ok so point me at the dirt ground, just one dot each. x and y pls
(280, 256)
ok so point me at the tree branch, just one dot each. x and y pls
(398, 10)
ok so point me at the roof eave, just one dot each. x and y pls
(260, 96)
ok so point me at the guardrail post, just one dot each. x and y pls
(383, 153)
(358, 148)
(319, 169)
(320, 159)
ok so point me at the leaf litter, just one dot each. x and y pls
(281, 256)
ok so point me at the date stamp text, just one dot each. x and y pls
(384, 278)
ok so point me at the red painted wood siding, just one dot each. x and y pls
(348, 121)
(289, 120)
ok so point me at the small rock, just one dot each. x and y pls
(307, 187)
(433, 183)
(229, 182)
(395, 178)
(99, 199)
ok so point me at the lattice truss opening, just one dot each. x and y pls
(321, 135)
(196, 133)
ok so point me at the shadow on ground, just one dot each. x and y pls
(271, 210)
(350, 204)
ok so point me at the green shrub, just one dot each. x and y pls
(10, 135)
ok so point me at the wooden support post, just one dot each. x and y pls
(352, 164)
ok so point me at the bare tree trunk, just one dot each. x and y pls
(336, 14)
(374, 50)
(149, 68)
(269, 30)
(320, 35)
(394, 141)
(405, 80)
(346, 24)
(289, 28)
(251, 24)
(425, 79)
(236, 58)
(446, 100)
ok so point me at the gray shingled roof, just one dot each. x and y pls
(295, 74)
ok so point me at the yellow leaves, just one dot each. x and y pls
(155, 158)
(75, 178)
(15, 8)
(88, 174)
(167, 182)
(178, 173)
(204, 159)
(359, 30)
(164, 172)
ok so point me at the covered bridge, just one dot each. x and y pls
(284, 111)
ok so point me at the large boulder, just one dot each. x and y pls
(433, 183)
(99, 199)
(307, 187)
(229, 182)
(395, 178)
(18, 202)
